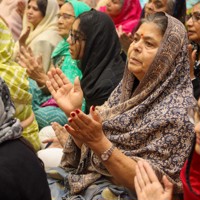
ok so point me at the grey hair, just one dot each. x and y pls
(159, 18)
(171, 6)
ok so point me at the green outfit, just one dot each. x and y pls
(61, 58)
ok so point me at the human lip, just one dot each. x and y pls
(135, 61)
(190, 32)
(198, 139)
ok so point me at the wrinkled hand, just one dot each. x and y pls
(124, 38)
(61, 133)
(85, 128)
(148, 186)
(68, 96)
(21, 5)
(34, 67)
(23, 38)
(192, 55)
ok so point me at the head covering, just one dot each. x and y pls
(49, 22)
(129, 15)
(151, 122)
(10, 128)
(78, 6)
(102, 66)
(62, 49)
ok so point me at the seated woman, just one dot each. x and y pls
(22, 173)
(193, 27)
(145, 117)
(40, 29)
(175, 8)
(17, 80)
(147, 184)
(100, 62)
(124, 13)
(44, 107)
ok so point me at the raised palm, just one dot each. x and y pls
(68, 96)
(147, 185)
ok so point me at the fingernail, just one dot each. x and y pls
(66, 126)
(73, 114)
(93, 108)
(70, 120)
(77, 111)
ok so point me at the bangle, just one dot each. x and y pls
(42, 87)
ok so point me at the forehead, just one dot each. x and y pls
(75, 25)
(67, 8)
(150, 30)
(164, 2)
(196, 8)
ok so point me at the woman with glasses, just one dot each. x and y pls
(45, 108)
(193, 27)
(94, 42)
(144, 118)
(147, 184)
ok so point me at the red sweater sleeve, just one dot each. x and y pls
(194, 178)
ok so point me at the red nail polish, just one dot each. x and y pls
(93, 108)
(73, 114)
(66, 126)
(77, 111)
(70, 120)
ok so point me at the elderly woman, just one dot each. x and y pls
(175, 8)
(145, 117)
(193, 27)
(22, 173)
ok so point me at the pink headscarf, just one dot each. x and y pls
(129, 15)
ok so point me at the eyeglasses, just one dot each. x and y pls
(76, 36)
(195, 17)
(65, 16)
(194, 114)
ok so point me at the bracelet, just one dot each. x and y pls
(42, 87)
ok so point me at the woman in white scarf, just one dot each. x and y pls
(41, 17)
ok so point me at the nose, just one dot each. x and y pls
(189, 22)
(69, 39)
(197, 128)
(150, 7)
(137, 46)
(108, 3)
(60, 19)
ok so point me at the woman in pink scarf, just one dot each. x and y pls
(125, 13)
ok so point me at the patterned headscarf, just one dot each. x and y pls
(151, 123)
(10, 127)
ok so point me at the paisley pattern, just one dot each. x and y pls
(152, 122)
(10, 127)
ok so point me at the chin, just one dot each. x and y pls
(197, 149)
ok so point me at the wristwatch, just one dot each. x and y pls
(106, 154)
